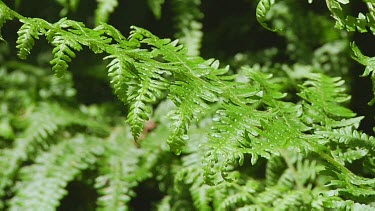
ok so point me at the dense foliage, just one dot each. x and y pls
(276, 128)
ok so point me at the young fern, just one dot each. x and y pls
(263, 7)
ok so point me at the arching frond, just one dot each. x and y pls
(263, 7)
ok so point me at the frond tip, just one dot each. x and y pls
(26, 35)
(263, 7)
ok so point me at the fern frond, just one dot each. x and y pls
(43, 184)
(245, 130)
(63, 53)
(274, 169)
(119, 172)
(5, 15)
(350, 23)
(142, 94)
(104, 9)
(349, 137)
(369, 62)
(294, 200)
(26, 35)
(326, 110)
(263, 7)
(45, 122)
(120, 73)
(111, 31)
(66, 36)
(188, 16)
(196, 82)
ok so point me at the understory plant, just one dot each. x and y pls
(140, 122)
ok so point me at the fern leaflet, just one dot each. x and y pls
(26, 35)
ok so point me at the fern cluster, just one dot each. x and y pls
(240, 141)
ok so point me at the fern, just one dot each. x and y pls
(119, 173)
(45, 122)
(263, 7)
(226, 128)
(26, 35)
(62, 51)
(5, 15)
(189, 28)
(104, 9)
(48, 177)
(369, 63)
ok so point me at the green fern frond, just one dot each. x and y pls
(49, 176)
(263, 7)
(350, 23)
(104, 9)
(142, 94)
(325, 110)
(119, 172)
(349, 137)
(120, 73)
(26, 35)
(270, 194)
(111, 31)
(189, 107)
(189, 27)
(45, 121)
(274, 169)
(5, 15)
(63, 53)
(369, 62)
(294, 200)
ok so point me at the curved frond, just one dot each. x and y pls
(63, 54)
(263, 7)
